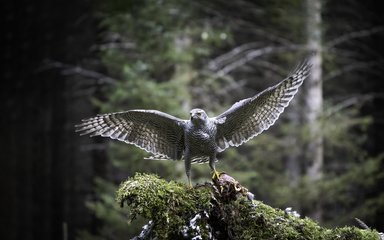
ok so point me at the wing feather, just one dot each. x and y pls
(154, 131)
(249, 117)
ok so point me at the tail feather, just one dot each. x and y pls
(194, 160)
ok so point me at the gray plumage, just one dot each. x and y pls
(200, 138)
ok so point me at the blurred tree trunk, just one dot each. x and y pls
(313, 100)
(45, 176)
(293, 163)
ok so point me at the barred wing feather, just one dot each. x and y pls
(154, 131)
(250, 117)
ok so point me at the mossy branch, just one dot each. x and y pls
(222, 210)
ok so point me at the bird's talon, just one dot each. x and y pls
(216, 175)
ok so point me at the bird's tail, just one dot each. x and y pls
(158, 157)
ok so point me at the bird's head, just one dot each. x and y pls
(198, 115)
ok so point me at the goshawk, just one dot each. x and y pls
(200, 138)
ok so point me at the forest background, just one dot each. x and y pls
(63, 61)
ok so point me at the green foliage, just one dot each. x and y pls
(153, 49)
(172, 205)
(352, 193)
(159, 49)
(164, 39)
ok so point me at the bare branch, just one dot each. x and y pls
(114, 45)
(235, 85)
(250, 27)
(242, 25)
(247, 56)
(245, 59)
(223, 59)
(271, 36)
(348, 54)
(362, 224)
(274, 68)
(355, 100)
(68, 69)
(365, 226)
(348, 68)
(353, 35)
(342, 105)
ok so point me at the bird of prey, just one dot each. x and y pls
(200, 138)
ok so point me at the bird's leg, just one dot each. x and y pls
(187, 163)
(189, 181)
(215, 174)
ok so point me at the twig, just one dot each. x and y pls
(114, 45)
(361, 223)
(360, 99)
(251, 55)
(68, 69)
(365, 226)
(353, 35)
(221, 60)
(348, 68)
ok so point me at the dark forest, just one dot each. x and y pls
(63, 61)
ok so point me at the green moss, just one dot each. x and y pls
(170, 205)
(173, 208)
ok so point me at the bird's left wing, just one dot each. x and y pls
(154, 131)
(249, 117)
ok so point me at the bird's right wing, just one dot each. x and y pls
(156, 132)
(249, 117)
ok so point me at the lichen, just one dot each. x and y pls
(178, 211)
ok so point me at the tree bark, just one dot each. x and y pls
(313, 99)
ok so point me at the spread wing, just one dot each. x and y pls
(156, 132)
(249, 117)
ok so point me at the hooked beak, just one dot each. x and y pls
(195, 115)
